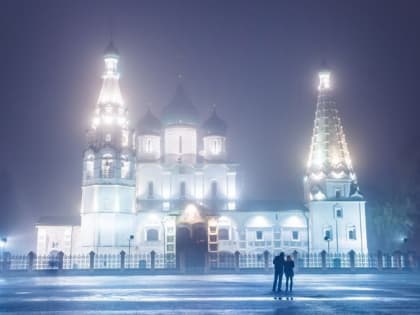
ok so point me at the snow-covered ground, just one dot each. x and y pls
(210, 294)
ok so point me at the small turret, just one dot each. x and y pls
(148, 139)
(214, 138)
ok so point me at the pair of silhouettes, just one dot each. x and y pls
(283, 266)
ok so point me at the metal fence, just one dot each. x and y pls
(214, 261)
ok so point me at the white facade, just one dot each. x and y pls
(170, 188)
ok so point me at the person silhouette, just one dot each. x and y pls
(278, 263)
(288, 271)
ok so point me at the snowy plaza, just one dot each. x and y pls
(211, 294)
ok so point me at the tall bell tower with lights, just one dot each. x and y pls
(337, 219)
(108, 187)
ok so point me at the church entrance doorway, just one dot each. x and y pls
(191, 246)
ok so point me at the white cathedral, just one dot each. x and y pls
(168, 186)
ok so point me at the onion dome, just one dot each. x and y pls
(111, 50)
(149, 124)
(180, 110)
(214, 125)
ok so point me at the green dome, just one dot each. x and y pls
(180, 110)
(214, 125)
(149, 124)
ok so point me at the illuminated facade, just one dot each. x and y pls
(168, 186)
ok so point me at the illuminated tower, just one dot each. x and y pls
(336, 207)
(108, 186)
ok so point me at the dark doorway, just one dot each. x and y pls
(191, 247)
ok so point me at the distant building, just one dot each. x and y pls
(169, 186)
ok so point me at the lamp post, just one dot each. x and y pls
(129, 244)
(405, 244)
(327, 238)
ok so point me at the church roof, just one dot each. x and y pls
(149, 124)
(214, 125)
(180, 110)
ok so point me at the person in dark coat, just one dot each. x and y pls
(288, 271)
(278, 263)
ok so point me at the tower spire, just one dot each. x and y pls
(110, 105)
(329, 156)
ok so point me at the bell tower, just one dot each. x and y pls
(336, 207)
(108, 185)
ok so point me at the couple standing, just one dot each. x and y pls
(283, 266)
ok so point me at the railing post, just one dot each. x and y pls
(324, 259)
(91, 260)
(237, 255)
(380, 260)
(31, 260)
(122, 260)
(206, 262)
(182, 266)
(352, 258)
(405, 264)
(152, 259)
(266, 253)
(60, 260)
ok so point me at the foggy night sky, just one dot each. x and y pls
(256, 60)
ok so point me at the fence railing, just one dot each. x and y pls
(213, 261)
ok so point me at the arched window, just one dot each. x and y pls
(125, 167)
(223, 234)
(180, 145)
(182, 190)
(214, 189)
(107, 166)
(152, 235)
(150, 190)
(148, 147)
(351, 233)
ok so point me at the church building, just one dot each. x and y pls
(166, 184)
